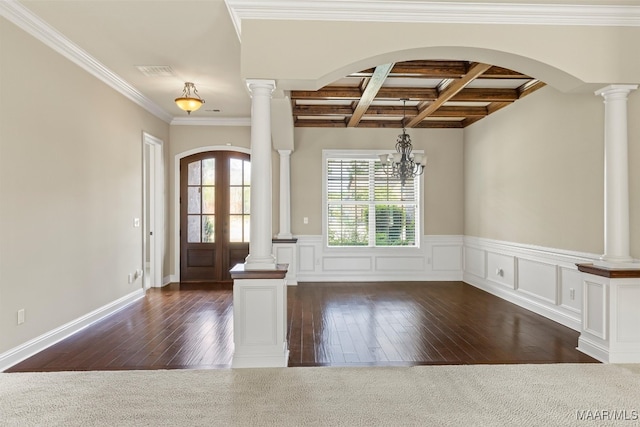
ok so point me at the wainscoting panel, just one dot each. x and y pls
(390, 263)
(501, 269)
(438, 258)
(475, 261)
(539, 280)
(306, 258)
(543, 280)
(447, 257)
(351, 263)
(628, 313)
(570, 289)
(595, 303)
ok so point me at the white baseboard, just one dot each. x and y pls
(543, 280)
(272, 359)
(28, 349)
(593, 349)
(530, 304)
(170, 279)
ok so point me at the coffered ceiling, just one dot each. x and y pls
(113, 39)
(422, 94)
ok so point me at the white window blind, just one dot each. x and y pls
(365, 207)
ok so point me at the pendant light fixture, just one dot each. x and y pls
(403, 164)
(187, 101)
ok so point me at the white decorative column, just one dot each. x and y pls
(611, 286)
(260, 256)
(285, 245)
(616, 180)
(285, 195)
(259, 289)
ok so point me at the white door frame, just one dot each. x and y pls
(176, 196)
(155, 228)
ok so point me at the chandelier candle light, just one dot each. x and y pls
(403, 164)
(187, 102)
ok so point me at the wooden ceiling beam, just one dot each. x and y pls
(530, 87)
(495, 106)
(320, 123)
(502, 73)
(389, 111)
(322, 110)
(423, 69)
(440, 124)
(414, 94)
(371, 90)
(486, 95)
(328, 92)
(449, 92)
(431, 69)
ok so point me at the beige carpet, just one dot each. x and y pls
(484, 395)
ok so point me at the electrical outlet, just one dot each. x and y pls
(305, 220)
(21, 316)
(130, 278)
(572, 293)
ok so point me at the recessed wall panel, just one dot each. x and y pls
(447, 257)
(400, 263)
(595, 300)
(500, 269)
(538, 279)
(346, 263)
(307, 258)
(474, 261)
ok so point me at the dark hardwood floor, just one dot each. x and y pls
(355, 324)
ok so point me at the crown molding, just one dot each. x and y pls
(433, 12)
(211, 121)
(22, 17)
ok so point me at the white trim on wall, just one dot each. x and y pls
(211, 121)
(157, 223)
(176, 196)
(42, 31)
(433, 12)
(543, 280)
(28, 349)
(437, 258)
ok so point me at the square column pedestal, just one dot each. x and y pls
(610, 314)
(259, 317)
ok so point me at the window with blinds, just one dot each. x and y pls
(365, 207)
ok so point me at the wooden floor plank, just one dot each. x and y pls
(359, 324)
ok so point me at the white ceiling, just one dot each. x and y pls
(198, 40)
(195, 38)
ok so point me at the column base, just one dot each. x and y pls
(616, 265)
(610, 315)
(264, 263)
(259, 317)
(276, 358)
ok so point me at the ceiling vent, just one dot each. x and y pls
(156, 70)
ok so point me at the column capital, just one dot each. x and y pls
(254, 84)
(284, 153)
(615, 89)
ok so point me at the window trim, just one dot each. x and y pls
(368, 155)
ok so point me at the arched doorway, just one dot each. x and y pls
(214, 214)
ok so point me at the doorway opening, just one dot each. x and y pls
(214, 215)
(153, 211)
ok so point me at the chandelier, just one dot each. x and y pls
(403, 164)
(187, 102)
